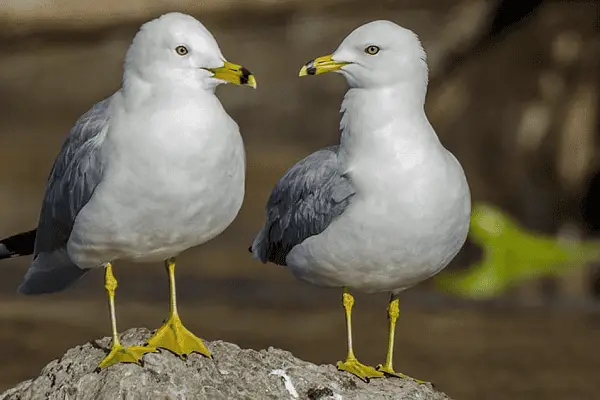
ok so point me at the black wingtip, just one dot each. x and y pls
(5, 253)
(250, 249)
(21, 244)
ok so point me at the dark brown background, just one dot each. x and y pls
(514, 94)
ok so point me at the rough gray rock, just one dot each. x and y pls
(233, 374)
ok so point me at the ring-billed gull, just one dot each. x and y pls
(387, 208)
(156, 168)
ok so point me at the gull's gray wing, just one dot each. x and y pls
(75, 174)
(308, 197)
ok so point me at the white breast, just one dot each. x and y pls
(408, 220)
(174, 181)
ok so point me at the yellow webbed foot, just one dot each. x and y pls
(174, 337)
(364, 372)
(388, 371)
(120, 354)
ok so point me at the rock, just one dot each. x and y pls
(233, 374)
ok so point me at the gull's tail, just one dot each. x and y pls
(18, 245)
(49, 271)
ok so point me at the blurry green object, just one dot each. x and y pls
(512, 255)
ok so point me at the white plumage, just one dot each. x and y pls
(174, 179)
(409, 212)
(387, 208)
(155, 169)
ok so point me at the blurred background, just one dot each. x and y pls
(514, 94)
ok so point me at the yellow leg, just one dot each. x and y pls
(172, 335)
(393, 314)
(118, 353)
(352, 365)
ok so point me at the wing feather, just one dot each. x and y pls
(309, 196)
(76, 173)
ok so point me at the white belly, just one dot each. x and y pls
(388, 242)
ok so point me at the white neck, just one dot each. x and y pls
(387, 124)
(138, 90)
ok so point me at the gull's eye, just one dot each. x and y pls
(372, 50)
(181, 50)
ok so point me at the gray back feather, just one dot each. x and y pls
(308, 197)
(75, 174)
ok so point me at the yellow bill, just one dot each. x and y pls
(321, 65)
(235, 74)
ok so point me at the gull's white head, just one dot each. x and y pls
(377, 54)
(177, 48)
